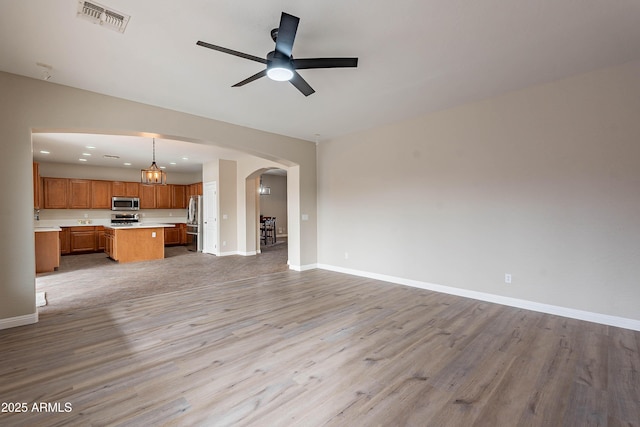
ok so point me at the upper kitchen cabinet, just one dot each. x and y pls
(164, 194)
(55, 192)
(37, 187)
(179, 200)
(125, 189)
(147, 196)
(194, 189)
(101, 194)
(79, 194)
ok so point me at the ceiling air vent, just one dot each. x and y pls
(102, 15)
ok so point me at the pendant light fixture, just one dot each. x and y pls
(264, 191)
(153, 174)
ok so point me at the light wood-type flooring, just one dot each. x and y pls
(315, 348)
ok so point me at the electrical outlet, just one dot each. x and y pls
(507, 278)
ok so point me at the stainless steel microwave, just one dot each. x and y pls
(125, 203)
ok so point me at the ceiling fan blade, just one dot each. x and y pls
(301, 84)
(286, 33)
(306, 63)
(231, 52)
(256, 76)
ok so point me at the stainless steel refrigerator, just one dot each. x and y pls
(194, 224)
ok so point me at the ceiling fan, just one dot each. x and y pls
(281, 65)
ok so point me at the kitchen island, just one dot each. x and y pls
(135, 242)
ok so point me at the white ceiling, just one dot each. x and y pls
(116, 150)
(414, 56)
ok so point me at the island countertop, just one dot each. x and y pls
(140, 225)
(46, 229)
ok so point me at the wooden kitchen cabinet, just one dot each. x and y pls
(82, 239)
(55, 193)
(194, 189)
(65, 241)
(37, 187)
(79, 194)
(47, 251)
(183, 234)
(163, 196)
(125, 189)
(108, 243)
(101, 194)
(73, 193)
(100, 238)
(131, 244)
(179, 199)
(172, 235)
(147, 196)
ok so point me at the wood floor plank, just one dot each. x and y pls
(313, 348)
(623, 378)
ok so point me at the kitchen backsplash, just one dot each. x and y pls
(69, 217)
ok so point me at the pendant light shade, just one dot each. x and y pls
(153, 174)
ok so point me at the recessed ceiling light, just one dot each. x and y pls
(185, 158)
(82, 160)
(163, 167)
(86, 154)
(127, 164)
(90, 147)
(45, 152)
(172, 163)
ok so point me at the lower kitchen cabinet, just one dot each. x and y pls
(100, 239)
(172, 235)
(65, 241)
(83, 239)
(108, 243)
(183, 234)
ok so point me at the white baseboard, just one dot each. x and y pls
(303, 267)
(605, 319)
(13, 322)
(250, 253)
(229, 253)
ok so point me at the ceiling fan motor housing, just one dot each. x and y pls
(279, 66)
(276, 58)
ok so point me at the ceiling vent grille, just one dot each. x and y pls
(102, 15)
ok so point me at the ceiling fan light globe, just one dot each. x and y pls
(280, 74)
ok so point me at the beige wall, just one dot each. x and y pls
(228, 207)
(30, 105)
(542, 183)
